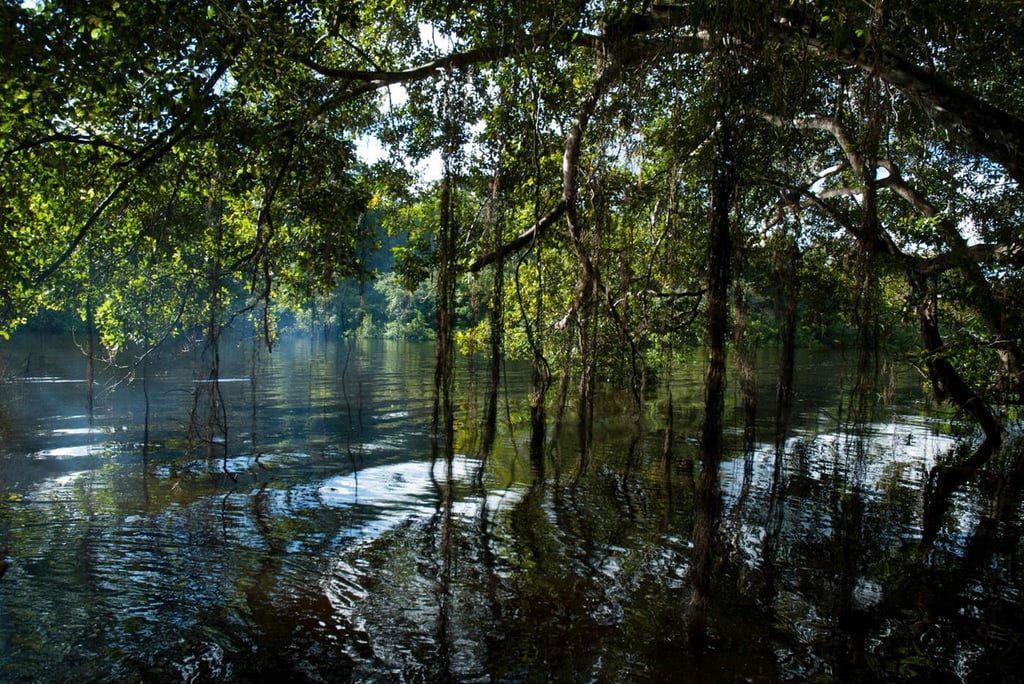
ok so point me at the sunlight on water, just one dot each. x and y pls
(58, 487)
(398, 493)
(48, 380)
(207, 381)
(79, 451)
(78, 431)
(397, 486)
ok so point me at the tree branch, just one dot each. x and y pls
(523, 239)
(988, 130)
(143, 158)
(83, 140)
(376, 79)
(570, 173)
(94, 218)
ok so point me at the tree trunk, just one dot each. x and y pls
(786, 272)
(145, 395)
(947, 382)
(497, 321)
(444, 414)
(90, 353)
(745, 351)
(719, 275)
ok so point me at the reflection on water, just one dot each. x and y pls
(332, 543)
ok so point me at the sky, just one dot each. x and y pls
(369, 147)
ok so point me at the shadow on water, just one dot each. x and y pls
(349, 545)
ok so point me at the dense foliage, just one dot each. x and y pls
(173, 166)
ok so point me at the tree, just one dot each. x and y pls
(880, 125)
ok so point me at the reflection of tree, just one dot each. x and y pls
(953, 604)
(772, 533)
(848, 553)
(442, 538)
(580, 571)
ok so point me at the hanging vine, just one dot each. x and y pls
(447, 268)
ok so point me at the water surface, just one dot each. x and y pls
(307, 528)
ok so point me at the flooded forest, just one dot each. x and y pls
(415, 341)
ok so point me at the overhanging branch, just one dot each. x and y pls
(992, 132)
(523, 239)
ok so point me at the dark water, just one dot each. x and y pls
(314, 534)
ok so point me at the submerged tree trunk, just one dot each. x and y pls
(745, 350)
(746, 372)
(540, 373)
(866, 305)
(786, 265)
(145, 417)
(670, 434)
(497, 322)
(943, 480)
(540, 379)
(708, 493)
(215, 429)
(90, 355)
(586, 331)
(443, 417)
(538, 417)
(447, 258)
(584, 310)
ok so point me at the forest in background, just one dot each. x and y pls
(617, 182)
